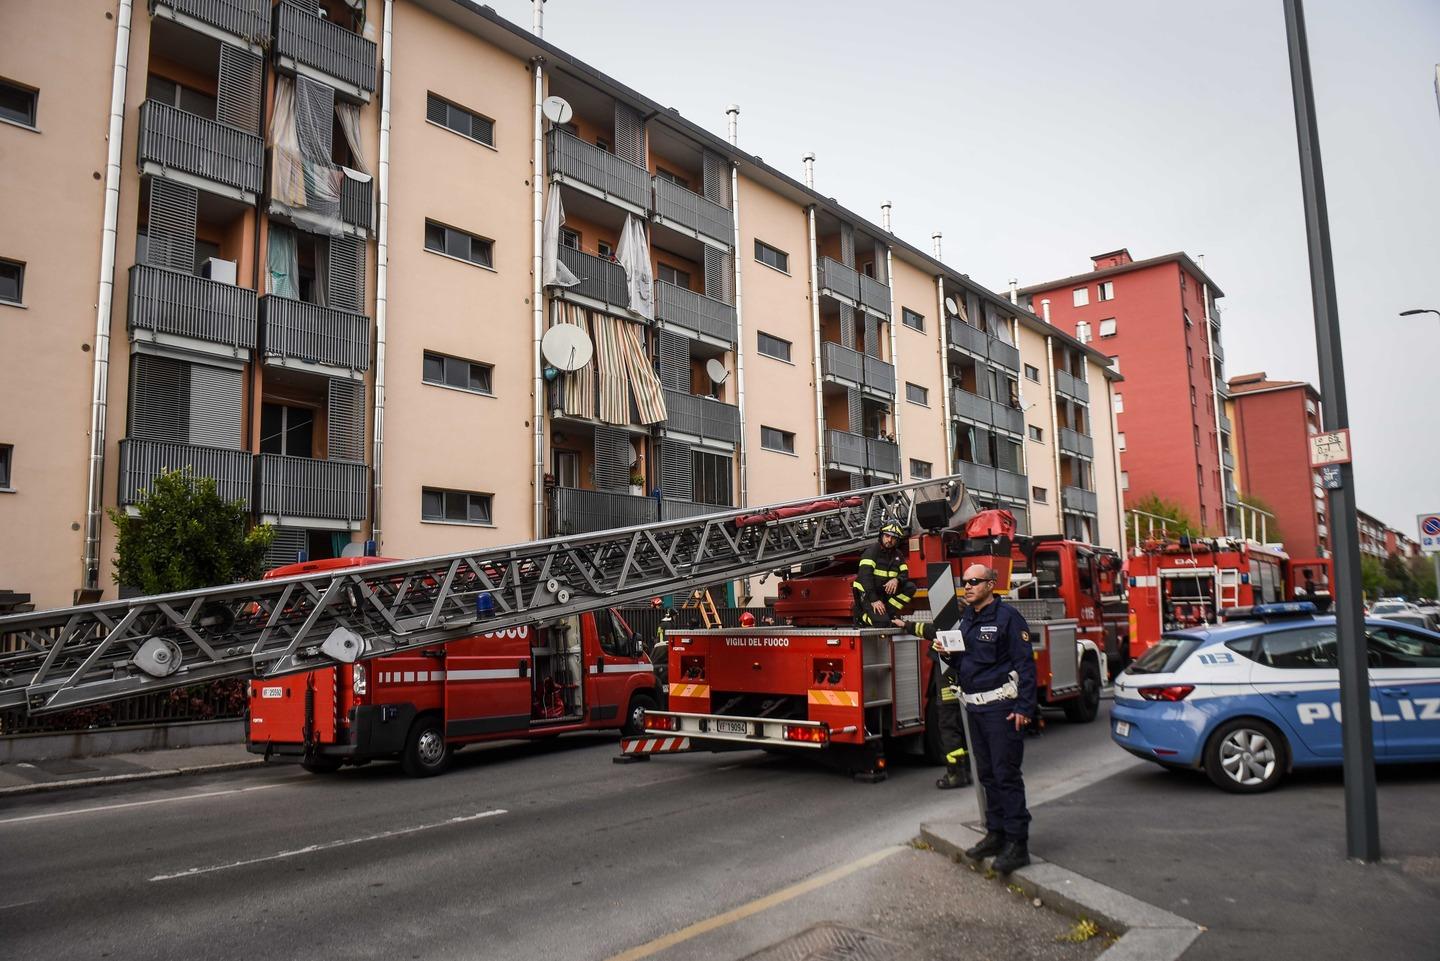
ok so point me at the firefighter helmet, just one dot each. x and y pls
(893, 528)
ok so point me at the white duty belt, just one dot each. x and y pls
(1009, 691)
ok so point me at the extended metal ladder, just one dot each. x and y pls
(75, 656)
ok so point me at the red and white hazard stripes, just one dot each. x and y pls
(689, 690)
(833, 698)
(653, 745)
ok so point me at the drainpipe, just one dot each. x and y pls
(815, 338)
(945, 425)
(733, 113)
(1020, 399)
(894, 347)
(382, 266)
(1054, 424)
(537, 292)
(1115, 456)
(1219, 403)
(94, 512)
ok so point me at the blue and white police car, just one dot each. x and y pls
(1250, 699)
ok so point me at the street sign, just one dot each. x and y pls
(1330, 476)
(1332, 447)
(1430, 533)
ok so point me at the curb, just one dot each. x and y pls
(43, 786)
(1147, 933)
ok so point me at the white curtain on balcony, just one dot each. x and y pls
(304, 185)
(282, 263)
(573, 392)
(349, 116)
(623, 370)
(552, 271)
(633, 253)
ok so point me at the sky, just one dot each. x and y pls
(1034, 133)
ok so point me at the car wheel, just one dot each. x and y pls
(1082, 710)
(320, 764)
(1246, 756)
(426, 751)
(635, 715)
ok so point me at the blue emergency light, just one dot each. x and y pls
(1270, 612)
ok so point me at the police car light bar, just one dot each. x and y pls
(1269, 612)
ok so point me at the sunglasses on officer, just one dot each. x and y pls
(976, 581)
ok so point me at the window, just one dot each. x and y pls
(569, 238)
(1039, 495)
(781, 440)
(604, 249)
(916, 394)
(603, 144)
(1105, 290)
(454, 507)
(663, 174)
(911, 319)
(464, 122)
(772, 346)
(1115, 363)
(1124, 480)
(185, 98)
(7, 457)
(458, 373)
(287, 430)
(566, 466)
(1107, 327)
(712, 478)
(676, 278)
(1081, 296)
(1082, 331)
(1189, 356)
(1385, 646)
(1036, 433)
(1311, 648)
(772, 257)
(920, 469)
(12, 282)
(1120, 440)
(614, 634)
(1032, 373)
(1119, 403)
(457, 243)
(1195, 429)
(1192, 395)
(17, 103)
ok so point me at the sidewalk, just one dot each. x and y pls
(28, 776)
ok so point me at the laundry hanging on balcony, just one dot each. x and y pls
(552, 271)
(282, 263)
(622, 370)
(633, 253)
(305, 183)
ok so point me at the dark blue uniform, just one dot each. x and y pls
(997, 645)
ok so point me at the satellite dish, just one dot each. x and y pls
(557, 110)
(716, 370)
(952, 308)
(566, 347)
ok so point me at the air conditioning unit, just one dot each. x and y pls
(219, 270)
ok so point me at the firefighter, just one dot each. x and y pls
(997, 684)
(944, 683)
(660, 652)
(882, 583)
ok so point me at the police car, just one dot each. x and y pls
(1250, 699)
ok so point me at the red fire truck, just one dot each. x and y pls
(582, 672)
(1185, 583)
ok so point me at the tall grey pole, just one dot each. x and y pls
(1362, 822)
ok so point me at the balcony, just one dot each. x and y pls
(201, 153)
(874, 295)
(1010, 484)
(846, 450)
(1221, 388)
(599, 172)
(356, 203)
(576, 511)
(852, 368)
(679, 510)
(879, 375)
(1078, 499)
(701, 418)
(1007, 418)
(839, 281)
(1232, 496)
(141, 461)
(204, 314)
(310, 337)
(979, 478)
(1068, 385)
(968, 338)
(1228, 459)
(1076, 443)
(1216, 350)
(602, 283)
(1225, 427)
(1005, 355)
(291, 489)
(248, 20)
(696, 315)
(324, 51)
(884, 456)
(691, 214)
(971, 407)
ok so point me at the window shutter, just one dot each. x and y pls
(286, 547)
(182, 403)
(676, 476)
(672, 360)
(170, 236)
(856, 410)
(716, 170)
(345, 421)
(435, 109)
(215, 406)
(629, 134)
(612, 459)
(720, 275)
(345, 275)
(847, 326)
(237, 103)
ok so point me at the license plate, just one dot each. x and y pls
(1122, 728)
(732, 727)
(273, 692)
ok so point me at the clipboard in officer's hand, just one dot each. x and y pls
(952, 642)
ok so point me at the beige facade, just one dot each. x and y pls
(865, 360)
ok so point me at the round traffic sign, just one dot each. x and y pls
(1431, 526)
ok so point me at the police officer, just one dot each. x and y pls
(997, 684)
(945, 693)
(882, 584)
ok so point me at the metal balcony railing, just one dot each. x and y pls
(1004, 355)
(839, 280)
(1232, 496)
(1079, 499)
(1221, 388)
(1074, 442)
(879, 375)
(977, 477)
(682, 206)
(703, 417)
(576, 511)
(172, 139)
(1011, 484)
(842, 363)
(1228, 459)
(249, 19)
(1007, 418)
(324, 46)
(679, 510)
(355, 202)
(600, 279)
(970, 406)
(875, 295)
(304, 487)
(141, 461)
(613, 177)
(695, 313)
(884, 456)
(317, 335)
(183, 305)
(1071, 386)
(1225, 426)
(969, 338)
(846, 449)
(1217, 350)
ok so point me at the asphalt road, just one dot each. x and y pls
(520, 851)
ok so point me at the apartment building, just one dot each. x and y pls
(1379, 540)
(1157, 321)
(317, 255)
(1274, 420)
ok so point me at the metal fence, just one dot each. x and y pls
(171, 302)
(845, 449)
(1079, 499)
(315, 334)
(212, 701)
(600, 279)
(1011, 484)
(1071, 386)
(977, 477)
(842, 363)
(356, 206)
(839, 280)
(879, 374)
(298, 487)
(141, 461)
(701, 416)
(170, 138)
(1004, 355)
(575, 160)
(1007, 418)
(875, 295)
(970, 406)
(883, 456)
(325, 46)
(576, 511)
(695, 313)
(973, 339)
(683, 206)
(1074, 442)
(244, 18)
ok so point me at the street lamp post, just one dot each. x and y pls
(1429, 310)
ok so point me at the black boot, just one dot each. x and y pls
(1016, 855)
(956, 775)
(990, 845)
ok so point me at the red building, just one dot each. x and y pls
(1273, 423)
(1157, 321)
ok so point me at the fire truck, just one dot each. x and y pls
(853, 695)
(580, 672)
(1187, 582)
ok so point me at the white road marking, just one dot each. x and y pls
(327, 846)
(136, 804)
(18, 904)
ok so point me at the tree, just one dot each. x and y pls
(1401, 579)
(185, 537)
(1422, 570)
(1176, 521)
(1372, 577)
(1272, 527)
